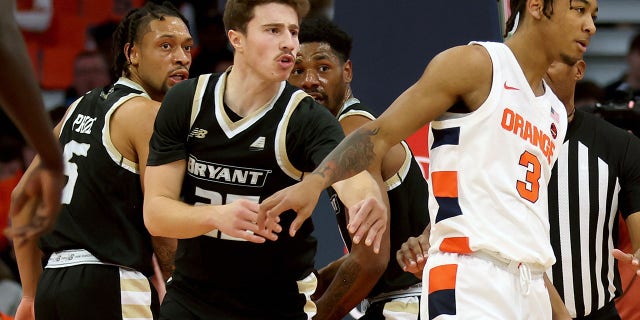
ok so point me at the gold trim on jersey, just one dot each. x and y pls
(113, 152)
(197, 97)
(281, 137)
(232, 128)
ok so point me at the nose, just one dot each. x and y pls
(289, 42)
(590, 27)
(310, 80)
(182, 56)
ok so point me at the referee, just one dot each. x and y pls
(596, 176)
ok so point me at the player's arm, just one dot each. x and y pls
(166, 215)
(131, 129)
(458, 74)
(28, 257)
(36, 220)
(558, 309)
(351, 279)
(21, 98)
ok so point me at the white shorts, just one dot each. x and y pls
(457, 286)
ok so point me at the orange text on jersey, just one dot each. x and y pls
(518, 125)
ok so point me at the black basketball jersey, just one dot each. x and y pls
(409, 214)
(102, 199)
(595, 181)
(251, 158)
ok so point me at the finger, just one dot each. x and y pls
(622, 256)
(356, 219)
(266, 205)
(375, 235)
(301, 216)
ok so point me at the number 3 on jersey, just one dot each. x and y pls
(529, 189)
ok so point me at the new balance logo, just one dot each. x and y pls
(257, 145)
(198, 133)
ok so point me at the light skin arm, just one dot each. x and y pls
(446, 80)
(21, 99)
(167, 216)
(633, 224)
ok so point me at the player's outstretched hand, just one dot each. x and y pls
(368, 217)
(239, 219)
(297, 197)
(44, 185)
(631, 258)
(412, 255)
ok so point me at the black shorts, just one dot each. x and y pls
(97, 292)
(193, 300)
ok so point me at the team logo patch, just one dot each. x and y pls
(257, 145)
(554, 130)
(198, 133)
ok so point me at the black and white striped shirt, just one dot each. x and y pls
(597, 174)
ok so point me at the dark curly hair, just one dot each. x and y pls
(519, 6)
(321, 29)
(131, 29)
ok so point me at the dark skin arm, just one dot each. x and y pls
(20, 97)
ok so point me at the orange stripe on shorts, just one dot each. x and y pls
(456, 245)
(445, 184)
(443, 277)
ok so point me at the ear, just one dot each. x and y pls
(235, 39)
(347, 72)
(535, 8)
(581, 67)
(132, 54)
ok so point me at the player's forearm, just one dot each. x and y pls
(28, 256)
(171, 218)
(633, 224)
(354, 154)
(359, 187)
(165, 250)
(352, 283)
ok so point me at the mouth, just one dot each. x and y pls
(316, 96)
(179, 75)
(583, 44)
(286, 60)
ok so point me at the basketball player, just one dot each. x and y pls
(324, 71)
(488, 209)
(20, 97)
(222, 143)
(99, 255)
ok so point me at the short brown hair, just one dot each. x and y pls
(238, 13)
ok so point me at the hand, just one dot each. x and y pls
(297, 197)
(412, 255)
(368, 216)
(44, 185)
(239, 219)
(633, 259)
(25, 309)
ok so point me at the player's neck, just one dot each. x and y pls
(245, 94)
(533, 63)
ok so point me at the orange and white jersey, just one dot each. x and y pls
(490, 169)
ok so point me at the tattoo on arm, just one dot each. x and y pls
(354, 154)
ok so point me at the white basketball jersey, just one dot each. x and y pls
(490, 169)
